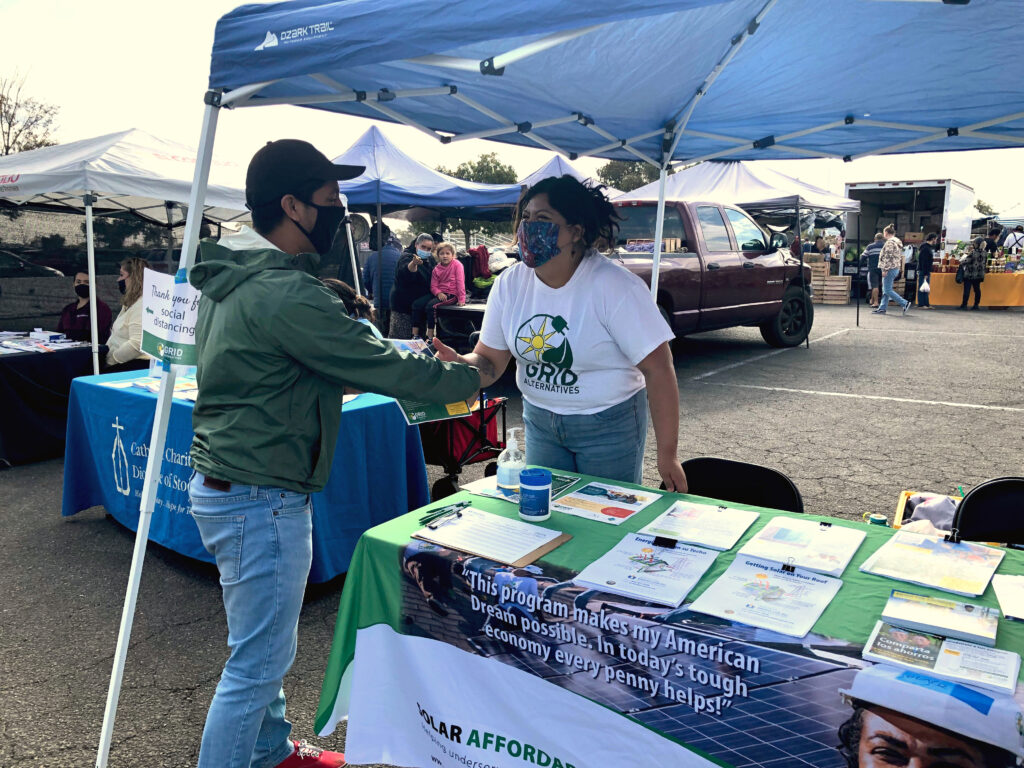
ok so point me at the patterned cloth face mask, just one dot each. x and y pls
(538, 242)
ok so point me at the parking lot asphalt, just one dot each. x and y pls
(925, 402)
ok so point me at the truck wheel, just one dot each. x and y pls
(791, 326)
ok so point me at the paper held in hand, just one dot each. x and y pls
(637, 567)
(955, 660)
(421, 412)
(762, 594)
(606, 503)
(931, 561)
(702, 524)
(497, 538)
(821, 547)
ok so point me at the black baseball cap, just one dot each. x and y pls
(287, 167)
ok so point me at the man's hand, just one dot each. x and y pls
(672, 474)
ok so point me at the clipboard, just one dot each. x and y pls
(493, 537)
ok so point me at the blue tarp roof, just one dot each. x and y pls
(397, 181)
(754, 79)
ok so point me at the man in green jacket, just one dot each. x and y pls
(275, 348)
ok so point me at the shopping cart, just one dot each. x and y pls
(456, 443)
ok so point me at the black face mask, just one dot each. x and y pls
(82, 291)
(328, 219)
(122, 286)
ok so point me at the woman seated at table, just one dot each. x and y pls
(75, 322)
(125, 343)
(412, 282)
(588, 340)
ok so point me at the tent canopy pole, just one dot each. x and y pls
(159, 436)
(659, 230)
(88, 198)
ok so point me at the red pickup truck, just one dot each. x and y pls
(719, 269)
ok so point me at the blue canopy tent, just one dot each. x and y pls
(395, 182)
(662, 81)
(559, 166)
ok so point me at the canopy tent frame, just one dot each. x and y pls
(672, 131)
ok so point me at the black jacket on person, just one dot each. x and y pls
(410, 286)
(925, 260)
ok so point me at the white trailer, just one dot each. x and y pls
(915, 208)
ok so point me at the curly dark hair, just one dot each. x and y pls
(356, 304)
(579, 203)
(850, 732)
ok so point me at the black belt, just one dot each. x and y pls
(218, 485)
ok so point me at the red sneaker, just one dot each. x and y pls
(308, 756)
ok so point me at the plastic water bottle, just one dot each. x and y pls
(511, 462)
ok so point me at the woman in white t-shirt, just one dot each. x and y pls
(589, 342)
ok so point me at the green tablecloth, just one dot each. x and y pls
(384, 590)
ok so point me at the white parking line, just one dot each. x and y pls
(871, 397)
(762, 357)
(943, 333)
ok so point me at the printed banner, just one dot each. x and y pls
(169, 318)
(734, 695)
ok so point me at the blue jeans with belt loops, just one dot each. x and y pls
(262, 540)
(608, 444)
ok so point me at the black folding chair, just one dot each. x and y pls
(743, 483)
(992, 511)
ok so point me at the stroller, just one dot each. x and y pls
(456, 443)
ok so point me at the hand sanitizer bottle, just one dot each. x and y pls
(510, 462)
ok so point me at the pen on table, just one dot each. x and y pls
(440, 512)
(447, 517)
(961, 489)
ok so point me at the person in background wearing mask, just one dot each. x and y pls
(74, 318)
(380, 267)
(991, 242)
(589, 342)
(412, 282)
(275, 349)
(925, 264)
(125, 342)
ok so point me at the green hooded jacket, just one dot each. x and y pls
(275, 347)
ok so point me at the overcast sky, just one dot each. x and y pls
(116, 64)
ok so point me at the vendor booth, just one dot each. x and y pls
(667, 82)
(129, 172)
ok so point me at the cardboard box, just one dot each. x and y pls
(914, 238)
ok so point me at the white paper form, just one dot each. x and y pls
(761, 594)
(486, 535)
(820, 547)
(702, 524)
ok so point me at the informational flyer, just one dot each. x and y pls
(762, 594)
(702, 524)
(822, 547)
(605, 503)
(955, 660)
(637, 568)
(420, 412)
(931, 561)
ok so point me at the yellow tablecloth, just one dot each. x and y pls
(998, 290)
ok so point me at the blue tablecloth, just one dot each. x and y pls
(378, 470)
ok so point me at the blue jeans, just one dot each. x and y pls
(888, 293)
(608, 444)
(262, 539)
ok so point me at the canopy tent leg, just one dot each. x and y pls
(659, 230)
(352, 250)
(860, 282)
(151, 483)
(88, 198)
(803, 277)
(169, 208)
(378, 289)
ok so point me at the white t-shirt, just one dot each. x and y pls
(1014, 240)
(576, 347)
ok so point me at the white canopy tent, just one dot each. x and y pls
(559, 166)
(126, 172)
(749, 185)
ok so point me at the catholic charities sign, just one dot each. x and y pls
(169, 319)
